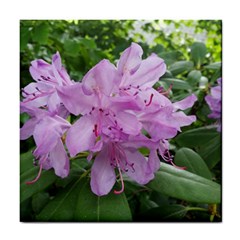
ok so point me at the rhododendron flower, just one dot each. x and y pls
(125, 158)
(214, 102)
(116, 105)
(47, 130)
(47, 77)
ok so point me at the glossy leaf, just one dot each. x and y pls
(198, 52)
(28, 190)
(176, 83)
(196, 137)
(180, 67)
(39, 200)
(194, 77)
(26, 161)
(24, 37)
(72, 47)
(211, 151)
(165, 213)
(108, 208)
(170, 57)
(62, 207)
(40, 33)
(185, 185)
(214, 66)
(193, 162)
(207, 142)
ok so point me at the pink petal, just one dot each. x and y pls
(185, 103)
(27, 129)
(149, 72)
(80, 136)
(182, 119)
(130, 59)
(75, 100)
(59, 160)
(102, 174)
(129, 123)
(47, 133)
(141, 173)
(102, 78)
(153, 161)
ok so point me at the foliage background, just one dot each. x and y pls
(192, 51)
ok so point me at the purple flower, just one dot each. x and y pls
(125, 157)
(47, 130)
(47, 77)
(116, 105)
(214, 102)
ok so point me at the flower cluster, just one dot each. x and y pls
(214, 102)
(120, 112)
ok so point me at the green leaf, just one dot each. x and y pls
(196, 137)
(185, 185)
(207, 142)
(193, 77)
(180, 67)
(167, 213)
(63, 206)
(193, 162)
(211, 151)
(214, 66)
(72, 47)
(24, 37)
(39, 200)
(40, 33)
(198, 53)
(109, 208)
(27, 190)
(176, 83)
(26, 161)
(170, 57)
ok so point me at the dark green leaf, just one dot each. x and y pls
(109, 208)
(72, 47)
(39, 200)
(193, 162)
(26, 161)
(63, 206)
(24, 37)
(217, 74)
(165, 213)
(185, 185)
(176, 83)
(40, 33)
(206, 140)
(27, 190)
(193, 77)
(196, 137)
(170, 57)
(198, 52)
(214, 66)
(180, 67)
(211, 151)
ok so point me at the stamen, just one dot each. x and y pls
(95, 130)
(150, 101)
(121, 178)
(167, 91)
(38, 176)
(182, 168)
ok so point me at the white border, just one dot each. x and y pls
(12, 11)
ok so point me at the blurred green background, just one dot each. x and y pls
(83, 43)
